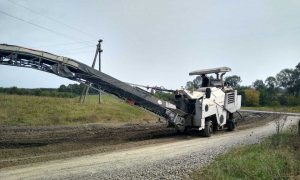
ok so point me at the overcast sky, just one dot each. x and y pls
(157, 42)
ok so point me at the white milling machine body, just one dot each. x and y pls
(207, 108)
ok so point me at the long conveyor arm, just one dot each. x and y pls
(68, 68)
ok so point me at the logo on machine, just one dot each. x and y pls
(159, 102)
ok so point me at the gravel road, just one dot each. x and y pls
(164, 161)
(21, 145)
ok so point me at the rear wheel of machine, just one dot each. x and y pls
(231, 126)
(231, 123)
(208, 130)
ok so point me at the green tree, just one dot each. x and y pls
(297, 74)
(290, 79)
(251, 97)
(259, 85)
(275, 103)
(271, 82)
(45, 93)
(264, 98)
(37, 92)
(152, 91)
(75, 88)
(197, 82)
(167, 96)
(13, 90)
(26, 92)
(288, 99)
(241, 91)
(158, 94)
(62, 88)
(190, 85)
(234, 80)
(279, 90)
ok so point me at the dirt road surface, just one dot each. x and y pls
(170, 157)
(24, 144)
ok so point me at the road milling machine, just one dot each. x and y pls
(205, 109)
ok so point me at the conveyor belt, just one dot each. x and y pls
(74, 70)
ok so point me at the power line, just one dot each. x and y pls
(72, 49)
(55, 32)
(78, 52)
(52, 19)
(60, 44)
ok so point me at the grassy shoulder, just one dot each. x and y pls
(295, 109)
(259, 161)
(35, 111)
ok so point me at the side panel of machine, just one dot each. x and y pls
(232, 101)
(196, 121)
(219, 103)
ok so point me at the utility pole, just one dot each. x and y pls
(82, 94)
(100, 51)
(86, 88)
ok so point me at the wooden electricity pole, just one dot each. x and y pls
(100, 51)
(86, 88)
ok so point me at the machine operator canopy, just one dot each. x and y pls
(210, 71)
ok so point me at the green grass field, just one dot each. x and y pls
(35, 111)
(295, 109)
(259, 161)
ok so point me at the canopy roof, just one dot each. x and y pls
(210, 71)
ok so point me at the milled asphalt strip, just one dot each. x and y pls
(169, 161)
(270, 112)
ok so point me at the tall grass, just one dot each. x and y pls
(259, 161)
(34, 111)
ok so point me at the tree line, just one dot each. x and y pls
(63, 91)
(163, 95)
(283, 89)
(37, 92)
(76, 89)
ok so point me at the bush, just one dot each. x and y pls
(20, 92)
(37, 92)
(275, 104)
(251, 97)
(241, 91)
(293, 100)
(13, 90)
(45, 93)
(264, 98)
(26, 92)
(289, 100)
